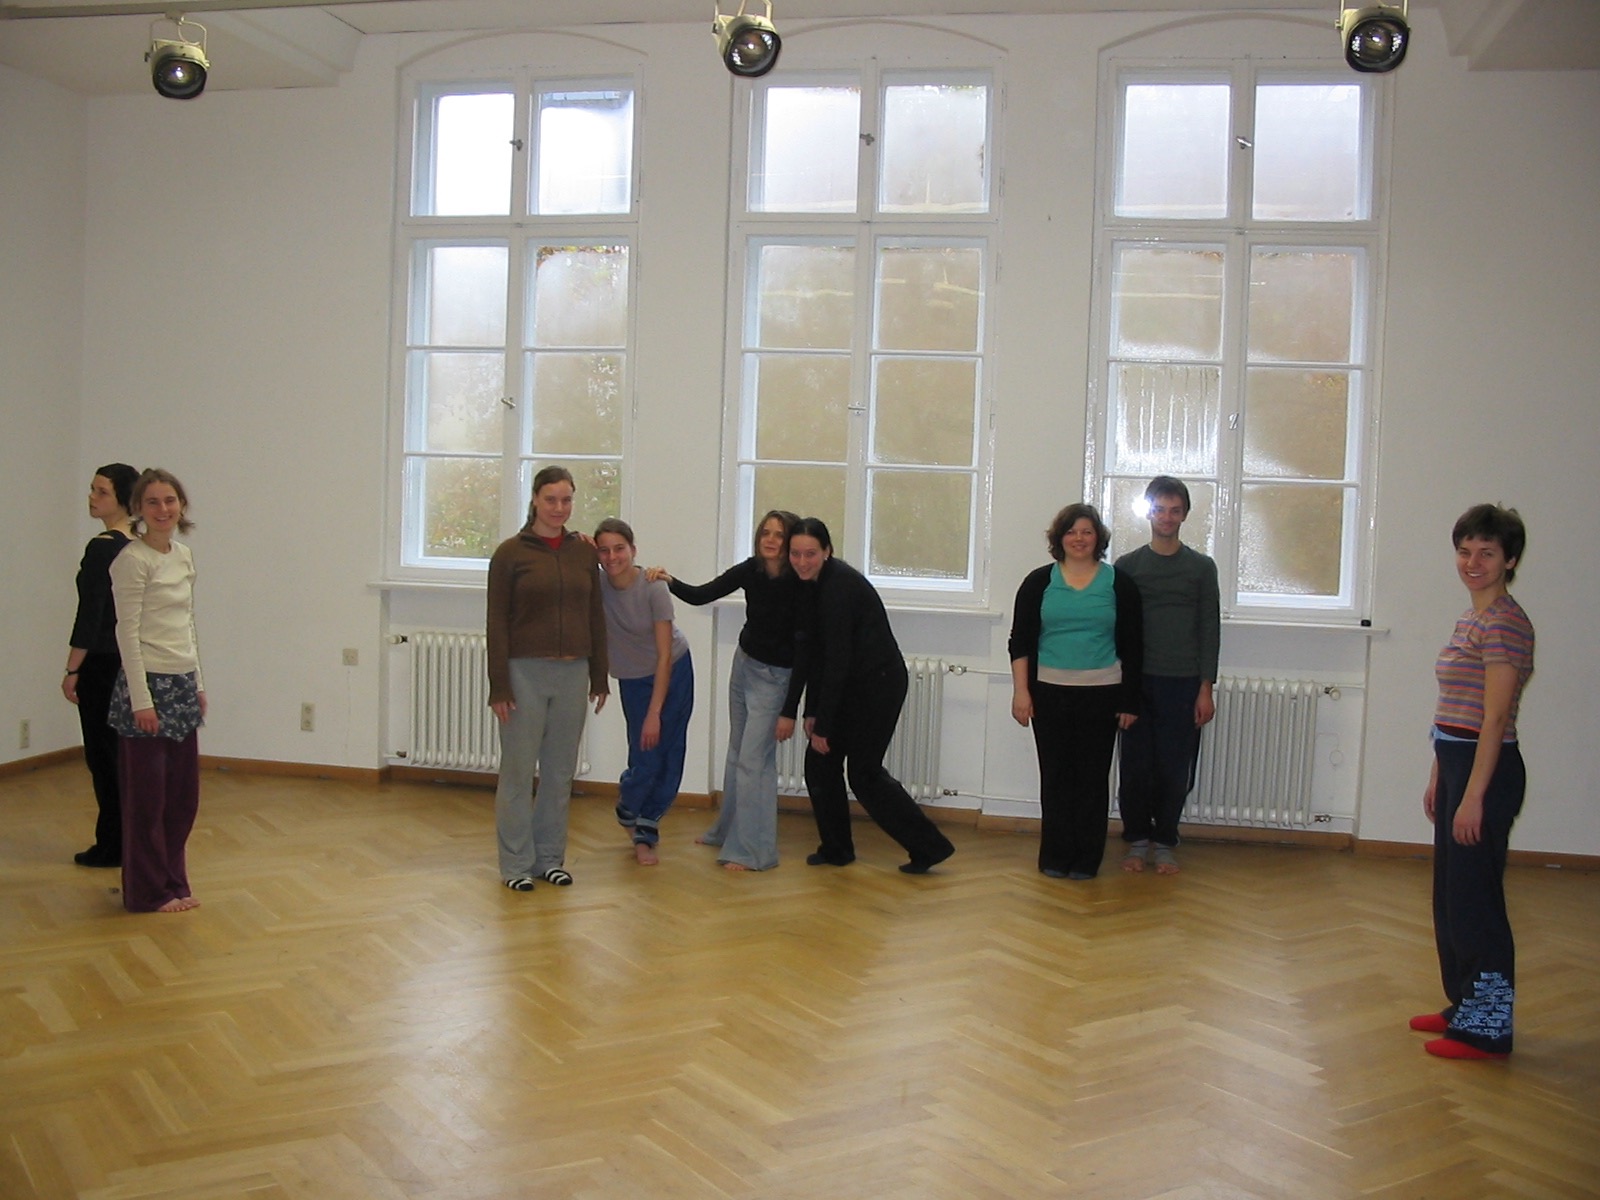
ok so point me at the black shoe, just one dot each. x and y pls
(819, 859)
(921, 866)
(94, 856)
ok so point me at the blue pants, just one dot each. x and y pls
(747, 821)
(650, 784)
(1477, 957)
(1159, 751)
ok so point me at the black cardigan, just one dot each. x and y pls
(1129, 635)
(95, 628)
(845, 637)
(771, 615)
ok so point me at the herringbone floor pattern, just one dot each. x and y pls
(359, 1010)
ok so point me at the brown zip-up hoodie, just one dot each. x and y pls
(545, 603)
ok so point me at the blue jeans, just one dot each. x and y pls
(747, 822)
(650, 784)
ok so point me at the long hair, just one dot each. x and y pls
(153, 475)
(789, 521)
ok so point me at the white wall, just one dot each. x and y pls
(260, 375)
(44, 479)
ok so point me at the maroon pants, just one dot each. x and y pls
(160, 785)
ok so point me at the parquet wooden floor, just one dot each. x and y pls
(359, 1010)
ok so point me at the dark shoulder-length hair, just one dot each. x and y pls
(1491, 523)
(812, 527)
(789, 521)
(1066, 519)
(121, 477)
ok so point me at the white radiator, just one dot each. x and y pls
(451, 725)
(913, 756)
(1256, 756)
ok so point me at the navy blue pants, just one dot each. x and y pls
(1159, 751)
(1477, 957)
(650, 784)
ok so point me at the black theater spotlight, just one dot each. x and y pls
(178, 67)
(748, 44)
(1376, 36)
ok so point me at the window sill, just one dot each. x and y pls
(1312, 625)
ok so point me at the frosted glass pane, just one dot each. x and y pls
(470, 158)
(1290, 539)
(1302, 305)
(921, 524)
(1174, 153)
(807, 491)
(461, 399)
(577, 403)
(1310, 157)
(1295, 423)
(929, 298)
(465, 303)
(935, 149)
(801, 406)
(460, 506)
(1124, 514)
(1164, 420)
(805, 297)
(925, 411)
(1166, 303)
(585, 152)
(598, 493)
(579, 296)
(806, 150)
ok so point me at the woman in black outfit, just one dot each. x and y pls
(855, 685)
(93, 661)
(761, 700)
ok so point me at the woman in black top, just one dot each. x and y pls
(855, 684)
(761, 702)
(93, 661)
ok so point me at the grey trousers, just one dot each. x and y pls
(747, 820)
(552, 697)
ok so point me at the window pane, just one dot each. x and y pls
(808, 491)
(464, 297)
(801, 406)
(1174, 154)
(579, 296)
(468, 166)
(924, 411)
(1164, 419)
(1295, 423)
(1124, 515)
(805, 297)
(1291, 539)
(459, 396)
(1166, 303)
(806, 149)
(1302, 305)
(576, 404)
(929, 298)
(598, 488)
(935, 149)
(921, 523)
(1309, 153)
(460, 505)
(585, 152)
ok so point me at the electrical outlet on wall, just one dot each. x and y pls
(25, 736)
(308, 717)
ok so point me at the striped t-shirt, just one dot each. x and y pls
(1501, 633)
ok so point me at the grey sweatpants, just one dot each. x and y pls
(552, 696)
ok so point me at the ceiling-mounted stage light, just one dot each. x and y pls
(178, 68)
(748, 44)
(1375, 36)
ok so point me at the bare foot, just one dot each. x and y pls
(646, 854)
(1134, 863)
(733, 866)
(179, 904)
(702, 840)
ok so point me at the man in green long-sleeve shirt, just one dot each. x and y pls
(1182, 637)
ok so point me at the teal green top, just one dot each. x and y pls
(1078, 629)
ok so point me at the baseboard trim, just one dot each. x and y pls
(370, 776)
(1516, 858)
(37, 762)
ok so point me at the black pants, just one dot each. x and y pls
(1074, 731)
(856, 747)
(96, 676)
(1477, 957)
(1158, 760)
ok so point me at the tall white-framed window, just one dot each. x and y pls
(863, 234)
(514, 269)
(1237, 291)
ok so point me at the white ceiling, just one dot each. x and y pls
(97, 48)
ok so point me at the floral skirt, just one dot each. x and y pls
(177, 701)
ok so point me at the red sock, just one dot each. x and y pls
(1450, 1048)
(1430, 1023)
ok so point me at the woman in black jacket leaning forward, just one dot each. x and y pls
(855, 686)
